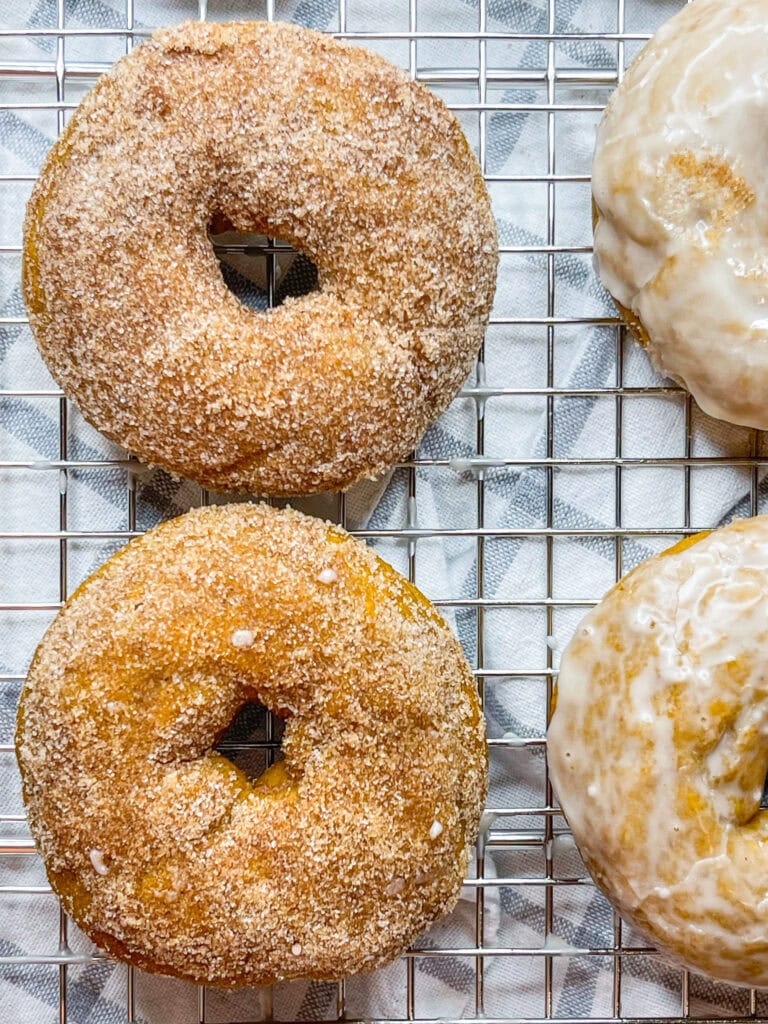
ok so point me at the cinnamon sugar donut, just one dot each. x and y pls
(162, 850)
(680, 186)
(278, 130)
(657, 749)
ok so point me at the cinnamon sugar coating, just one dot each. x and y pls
(162, 850)
(283, 131)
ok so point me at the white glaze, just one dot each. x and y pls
(243, 638)
(436, 830)
(100, 866)
(685, 249)
(486, 823)
(555, 943)
(657, 749)
(327, 576)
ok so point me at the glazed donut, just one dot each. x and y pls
(278, 130)
(681, 195)
(657, 749)
(161, 849)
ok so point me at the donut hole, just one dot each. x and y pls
(260, 272)
(253, 740)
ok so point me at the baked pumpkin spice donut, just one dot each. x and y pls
(680, 197)
(161, 849)
(657, 749)
(277, 130)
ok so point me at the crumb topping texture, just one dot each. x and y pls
(282, 131)
(162, 850)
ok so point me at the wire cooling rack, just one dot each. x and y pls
(532, 66)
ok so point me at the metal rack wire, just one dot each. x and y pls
(547, 89)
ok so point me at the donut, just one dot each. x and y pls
(657, 750)
(163, 851)
(277, 130)
(681, 201)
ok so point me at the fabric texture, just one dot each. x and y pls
(480, 468)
